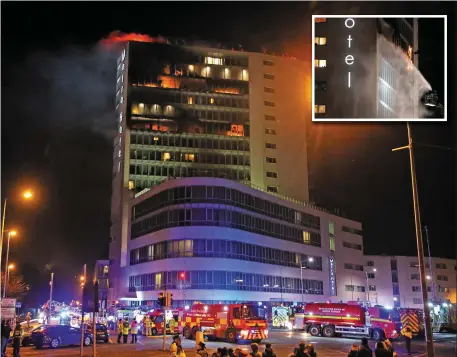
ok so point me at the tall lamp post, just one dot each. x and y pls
(7, 278)
(420, 244)
(10, 234)
(27, 195)
(310, 259)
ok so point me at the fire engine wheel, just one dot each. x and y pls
(314, 330)
(328, 331)
(378, 335)
(154, 331)
(231, 336)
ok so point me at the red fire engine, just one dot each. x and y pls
(157, 321)
(231, 322)
(331, 319)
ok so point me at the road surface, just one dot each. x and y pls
(283, 344)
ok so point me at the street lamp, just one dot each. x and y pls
(11, 233)
(27, 195)
(419, 243)
(310, 259)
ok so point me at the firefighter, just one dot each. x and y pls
(119, 330)
(147, 324)
(176, 349)
(201, 350)
(408, 334)
(125, 329)
(17, 334)
(134, 331)
(172, 325)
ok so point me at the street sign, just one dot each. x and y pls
(8, 309)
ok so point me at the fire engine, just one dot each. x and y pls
(156, 317)
(231, 322)
(331, 319)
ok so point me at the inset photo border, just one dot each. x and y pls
(366, 68)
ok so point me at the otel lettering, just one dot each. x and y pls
(349, 59)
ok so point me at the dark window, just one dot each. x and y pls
(270, 131)
(351, 230)
(320, 86)
(272, 174)
(269, 103)
(272, 189)
(268, 90)
(270, 146)
(271, 160)
(270, 117)
(268, 63)
(268, 76)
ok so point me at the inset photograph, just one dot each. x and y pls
(368, 68)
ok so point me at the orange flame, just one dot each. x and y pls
(117, 36)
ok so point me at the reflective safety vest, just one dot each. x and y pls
(147, 322)
(119, 327)
(407, 332)
(125, 328)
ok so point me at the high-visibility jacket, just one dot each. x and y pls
(147, 322)
(134, 328)
(172, 324)
(125, 328)
(120, 327)
(406, 331)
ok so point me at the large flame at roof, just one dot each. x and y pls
(119, 37)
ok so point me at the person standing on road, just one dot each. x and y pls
(201, 350)
(125, 329)
(268, 351)
(17, 334)
(381, 350)
(147, 324)
(408, 334)
(6, 331)
(134, 331)
(255, 350)
(354, 350)
(364, 350)
(176, 349)
(119, 330)
(310, 349)
(172, 325)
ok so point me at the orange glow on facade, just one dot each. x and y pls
(236, 130)
(227, 90)
(119, 37)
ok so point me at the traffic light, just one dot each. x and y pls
(182, 276)
(170, 299)
(162, 300)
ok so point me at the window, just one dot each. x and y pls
(320, 86)
(270, 117)
(320, 20)
(272, 189)
(320, 109)
(414, 276)
(443, 290)
(417, 301)
(416, 289)
(442, 277)
(320, 63)
(353, 231)
(190, 100)
(371, 275)
(370, 263)
(372, 287)
(214, 60)
(270, 131)
(268, 90)
(166, 156)
(440, 266)
(270, 146)
(331, 228)
(131, 185)
(272, 174)
(320, 41)
(357, 288)
(352, 245)
(211, 100)
(349, 287)
(270, 160)
(306, 237)
(413, 265)
(268, 63)
(269, 103)
(268, 76)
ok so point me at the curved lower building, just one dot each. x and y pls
(216, 240)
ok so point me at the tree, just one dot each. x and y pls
(17, 287)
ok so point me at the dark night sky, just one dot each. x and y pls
(58, 94)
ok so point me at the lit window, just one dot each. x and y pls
(306, 237)
(214, 60)
(191, 68)
(244, 75)
(206, 71)
(190, 100)
(166, 156)
(120, 130)
(272, 189)
(131, 185)
(320, 109)
(332, 244)
(320, 41)
(211, 100)
(156, 138)
(320, 19)
(189, 157)
(320, 63)
(226, 73)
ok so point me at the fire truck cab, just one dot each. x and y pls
(230, 322)
(156, 317)
(328, 320)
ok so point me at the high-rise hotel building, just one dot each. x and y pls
(192, 111)
(367, 68)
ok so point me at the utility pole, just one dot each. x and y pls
(82, 311)
(430, 264)
(164, 322)
(51, 285)
(420, 244)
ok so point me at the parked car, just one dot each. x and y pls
(102, 332)
(59, 335)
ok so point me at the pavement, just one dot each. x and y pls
(282, 343)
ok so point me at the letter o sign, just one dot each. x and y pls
(349, 23)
